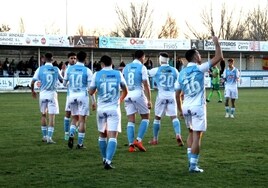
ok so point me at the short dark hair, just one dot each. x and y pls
(139, 54)
(231, 60)
(189, 55)
(106, 60)
(81, 56)
(48, 56)
(71, 54)
(163, 54)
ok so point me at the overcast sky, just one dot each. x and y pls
(40, 14)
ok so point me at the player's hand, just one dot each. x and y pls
(149, 105)
(38, 84)
(94, 106)
(34, 94)
(63, 67)
(215, 39)
(181, 115)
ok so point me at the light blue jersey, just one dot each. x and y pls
(165, 79)
(231, 77)
(191, 82)
(132, 73)
(68, 90)
(108, 82)
(48, 75)
(135, 73)
(79, 78)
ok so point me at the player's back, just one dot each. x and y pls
(78, 79)
(165, 79)
(231, 77)
(108, 86)
(48, 76)
(133, 76)
(191, 82)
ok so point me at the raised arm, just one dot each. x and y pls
(218, 52)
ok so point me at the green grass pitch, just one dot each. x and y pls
(233, 152)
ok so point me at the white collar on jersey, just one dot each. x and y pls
(191, 64)
(49, 63)
(107, 68)
(79, 63)
(136, 61)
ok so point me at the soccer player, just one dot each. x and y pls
(191, 84)
(231, 78)
(215, 72)
(48, 76)
(165, 77)
(71, 61)
(107, 82)
(78, 77)
(138, 99)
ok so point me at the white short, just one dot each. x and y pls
(67, 105)
(109, 119)
(231, 93)
(136, 104)
(165, 106)
(79, 105)
(49, 105)
(195, 117)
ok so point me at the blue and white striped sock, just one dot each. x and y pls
(44, 130)
(130, 132)
(50, 131)
(103, 147)
(194, 160)
(142, 129)
(176, 126)
(72, 130)
(66, 124)
(111, 148)
(156, 128)
(81, 137)
(232, 111)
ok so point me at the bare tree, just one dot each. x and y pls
(4, 28)
(231, 29)
(170, 29)
(257, 24)
(21, 28)
(138, 25)
(115, 33)
(81, 31)
(228, 28)
(52, 29)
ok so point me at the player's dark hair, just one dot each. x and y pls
(71, 54)
(231, 60)
(106, 60)
(139, 54)
(81, 56)
(163, 54)
(48, 57)
(189, 55)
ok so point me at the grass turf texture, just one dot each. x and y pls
(233, 154)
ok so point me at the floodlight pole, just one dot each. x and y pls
(66, 17)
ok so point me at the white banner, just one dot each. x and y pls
(6, 83)
(226, 45)
(34, 40)
(141, 43)
(263, 46)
